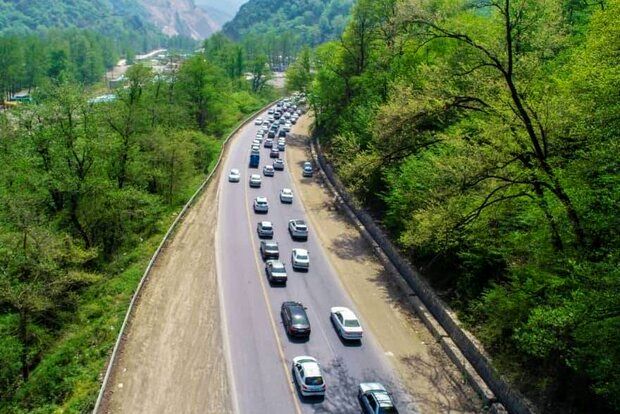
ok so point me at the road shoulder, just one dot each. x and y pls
(434, 381)
(173, 358)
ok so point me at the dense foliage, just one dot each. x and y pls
(282, 28)
(122, 26)
(87, 192)
(484, 135)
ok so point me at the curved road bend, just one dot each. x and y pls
(259, 350)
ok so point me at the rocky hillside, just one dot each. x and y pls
(181, 17)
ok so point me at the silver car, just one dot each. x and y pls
(286, 195)
(265, 229)
(300, 259)
(255, 181)
(261, 205)
(234, 176)
(268, 171)
(298, 229)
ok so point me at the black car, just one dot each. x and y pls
(282, 133)
(276, 271)
(271, 134)
(278, 165)
(269, 250)
(295, 319)
(274, 153)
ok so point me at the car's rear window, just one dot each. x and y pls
(351, 323)
(314, 381)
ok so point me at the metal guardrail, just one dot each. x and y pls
(169, 233)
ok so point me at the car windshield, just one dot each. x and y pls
(351, 323)
(266, 226)
(302, 257)
(314, 381)
(299, 319)
(272, 247)
(277, 267)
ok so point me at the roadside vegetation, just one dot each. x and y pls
(87, 192)
(484, 137)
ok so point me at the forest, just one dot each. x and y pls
(483, 136)
(282, 28)
(87, 191)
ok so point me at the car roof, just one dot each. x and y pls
(255, 176)
(287, 190)
(235, 170)
(299, 222)
(261, 199)
(270, 243)
(266, 223)
(268, 166)
(301, 251)
(292, 304)
(345, 312)
(383, 398)
(310, 365)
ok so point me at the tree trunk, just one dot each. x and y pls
(556, 239)
(23, 338)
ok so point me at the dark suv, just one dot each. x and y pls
(269, 250)
(295, 319)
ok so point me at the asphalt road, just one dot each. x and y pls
(258, 349)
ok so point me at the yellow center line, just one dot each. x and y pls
(266, 295)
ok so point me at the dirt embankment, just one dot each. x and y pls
(434, 381)
(172, 359)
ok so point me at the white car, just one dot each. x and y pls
(298, 229)
(255, 149)
(258, 121)
(346, 323)
(266, 122)
(286, 195)
(300, 259)
(307, 376)
(287, 127)
(234, 176)
(256, 142)
(261, 205)
(268, 171)
(255, 180)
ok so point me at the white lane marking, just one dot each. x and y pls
(224, 321)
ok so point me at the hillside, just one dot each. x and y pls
(181, 18)
(136, 19)
(307, 22)
(105, 16)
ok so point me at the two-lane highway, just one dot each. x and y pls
(259, 350)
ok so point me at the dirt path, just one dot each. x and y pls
(436, 384)
(173, 360)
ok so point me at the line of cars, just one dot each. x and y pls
(305, 369)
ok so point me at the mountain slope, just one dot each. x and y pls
(181, 18)
(311, 21)
(104, 16)
(142, 17)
